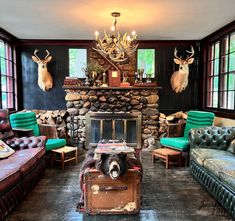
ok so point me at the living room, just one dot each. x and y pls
(162, 79)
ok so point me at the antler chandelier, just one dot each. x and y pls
(113, 46)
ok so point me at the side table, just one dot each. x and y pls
(63, 155)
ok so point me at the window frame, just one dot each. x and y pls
(11, 73)
(217, 36)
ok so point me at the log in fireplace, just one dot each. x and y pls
(108, 125)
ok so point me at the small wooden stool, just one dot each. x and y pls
(168, 156)
(66, 155)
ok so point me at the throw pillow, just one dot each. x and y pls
(5, 150)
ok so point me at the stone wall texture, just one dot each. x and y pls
(81, 101)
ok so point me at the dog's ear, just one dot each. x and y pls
(122, 156)
(104, 156)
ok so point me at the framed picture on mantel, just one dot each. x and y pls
(114, 78)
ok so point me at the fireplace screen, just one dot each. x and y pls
(125, 126)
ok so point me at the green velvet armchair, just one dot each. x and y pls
(196, 119)
(27, 120)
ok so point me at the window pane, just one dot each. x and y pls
(10, 100)
(224, 46)
(3, 66)
(9, 84)
(211, 53)
(2, 49)
(216, 66)
(77, 62)
(232, 62)
(210, 68)
(231, 96)
(209, 84)
(224, 63)
(209, 99)
(4, 100)
(215, 83)
(223, 82)
(4, 83)
(232, 42)
(231, 82)
(215, 99)
(217, 50)
(223, 100)
(146, 61)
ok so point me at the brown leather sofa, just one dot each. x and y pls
(20, 172)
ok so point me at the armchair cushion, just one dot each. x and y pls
(55, 143)
(175, 142)
(201, 154)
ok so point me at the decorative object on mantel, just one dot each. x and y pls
(114, 47)
(104, 84)
(179, 79)
(124, 82)
(45, 81)
(94, 73)
(72, 81)
(114, 78)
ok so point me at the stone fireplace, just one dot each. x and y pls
(83, 102)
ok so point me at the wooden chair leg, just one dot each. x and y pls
(62, 160)
(76, 156)
(167, 162)
(153, 158)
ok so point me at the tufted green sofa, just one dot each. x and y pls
(212, 163)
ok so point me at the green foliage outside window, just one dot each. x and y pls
(146, 61)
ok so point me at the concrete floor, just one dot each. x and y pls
(167, 195)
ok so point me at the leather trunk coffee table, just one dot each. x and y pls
(167, 155)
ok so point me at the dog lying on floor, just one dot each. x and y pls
(112, 165)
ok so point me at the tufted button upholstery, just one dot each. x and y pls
(26, 142)
(212, 137)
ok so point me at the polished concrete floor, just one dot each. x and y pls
(167, 195)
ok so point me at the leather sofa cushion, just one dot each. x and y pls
(223, 168)
(8, 178)
(23, 160)
(228, 176)
(201, 154)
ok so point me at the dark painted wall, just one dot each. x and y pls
(34, 98)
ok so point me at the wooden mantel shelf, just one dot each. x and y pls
(110, 88)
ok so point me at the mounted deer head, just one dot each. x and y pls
(45, 81)
(179, 79)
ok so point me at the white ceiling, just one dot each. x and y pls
(78, 19)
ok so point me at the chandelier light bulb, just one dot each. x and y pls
(112, 28)
(96, 35)
(133, 33)
(128, 38)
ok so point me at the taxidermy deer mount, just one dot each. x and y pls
(179, 79)
(45, 81)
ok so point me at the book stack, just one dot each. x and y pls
(72, 81)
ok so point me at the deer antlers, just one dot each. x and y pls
(188, 57)
(36, 51)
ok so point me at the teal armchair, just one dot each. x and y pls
(196, 119)
(27, 120)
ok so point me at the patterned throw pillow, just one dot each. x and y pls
(5, 150)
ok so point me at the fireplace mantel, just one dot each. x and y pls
(110, 88)
(82, 100)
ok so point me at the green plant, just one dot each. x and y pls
(94, 66)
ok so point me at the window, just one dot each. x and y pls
(8, 76)
(221, 74)
(77, 62)
(146, 61)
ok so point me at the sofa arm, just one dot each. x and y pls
(211, 137)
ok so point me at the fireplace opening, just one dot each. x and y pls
(107, 125)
